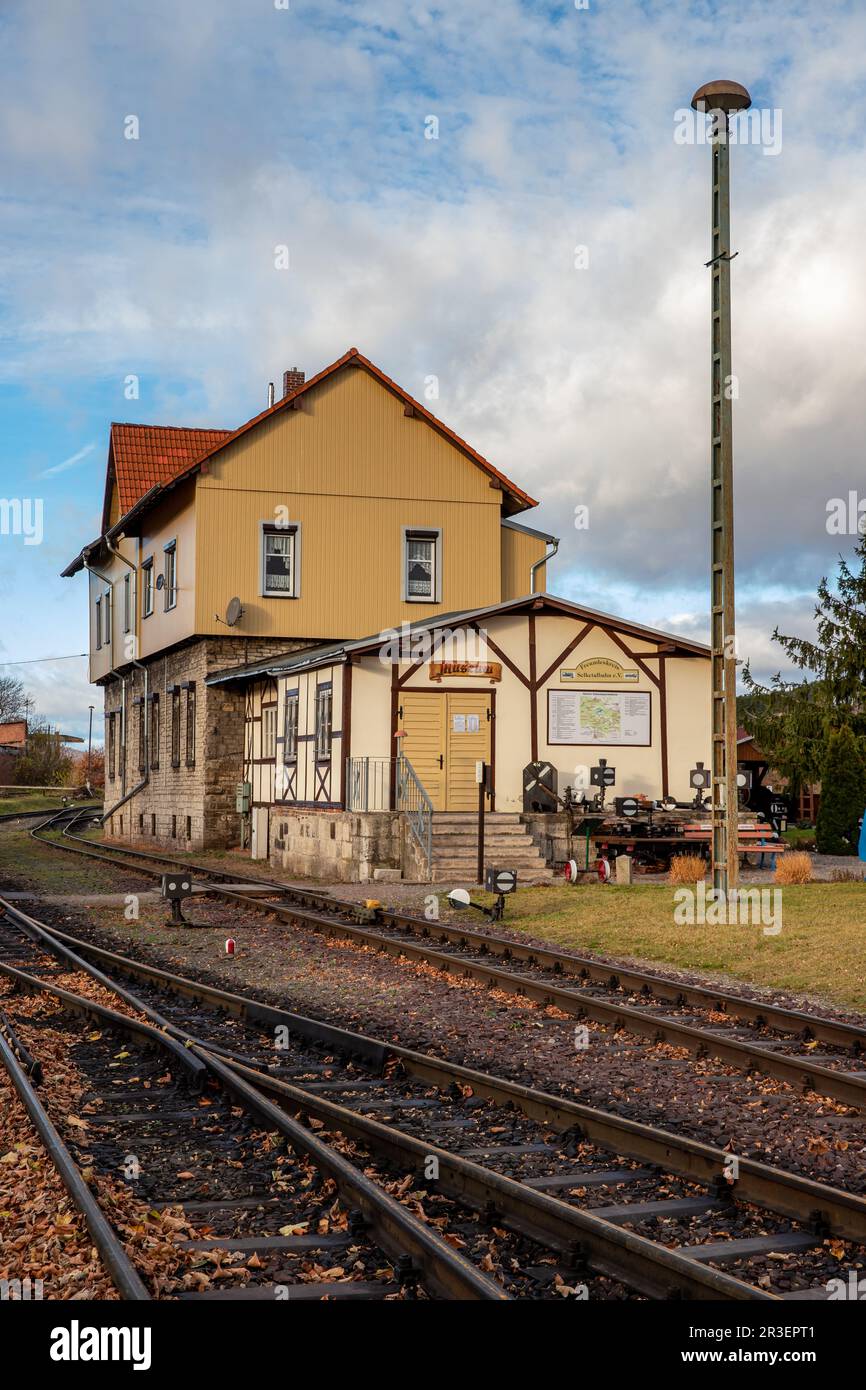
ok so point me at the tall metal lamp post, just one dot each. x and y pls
(721, 99)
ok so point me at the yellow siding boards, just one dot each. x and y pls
(352, 470)
(519, 553)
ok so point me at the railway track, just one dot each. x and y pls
(627, 1193)
(194, 1142)
(11, 816)
(804, 1050)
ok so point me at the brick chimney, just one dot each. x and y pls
(293, 379)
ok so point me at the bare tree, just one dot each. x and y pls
(12, 699)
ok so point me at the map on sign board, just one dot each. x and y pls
(602, 717)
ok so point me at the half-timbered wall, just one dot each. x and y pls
(312, 778)
(532, 650)
(260, 734)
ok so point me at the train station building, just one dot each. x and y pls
(308, 627)
(537, 688)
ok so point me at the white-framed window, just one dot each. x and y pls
(127, 606)
(170, 575)
(281, 560)
(147, 588)
(422, 565)
(106, 617)
(97, 625)
(269, 731)
(290, 727)
(324, 706)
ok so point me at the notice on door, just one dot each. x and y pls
(465, 723)
(605, 717)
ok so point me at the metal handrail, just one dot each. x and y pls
(369, 783)
(414, 802)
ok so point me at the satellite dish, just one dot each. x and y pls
(160, 581)
(233, 611)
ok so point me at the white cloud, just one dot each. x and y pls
(456, 257)
(68, 463)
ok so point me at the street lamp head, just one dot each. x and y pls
(722, 95)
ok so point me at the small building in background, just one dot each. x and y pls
(764, 779)
(13, 741)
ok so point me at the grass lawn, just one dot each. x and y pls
(820, 951)
(33, 801)
(799, 838)
(34, 864)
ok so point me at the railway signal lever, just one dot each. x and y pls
(498, 881)
(174, 888)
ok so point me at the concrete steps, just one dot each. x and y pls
(507, 844)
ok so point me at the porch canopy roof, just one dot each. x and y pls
(334, 653)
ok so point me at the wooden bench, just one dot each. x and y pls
(752, 838)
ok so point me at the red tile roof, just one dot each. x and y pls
(147, 454)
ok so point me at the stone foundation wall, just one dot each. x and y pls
(549, 831)
(338, 846)
(187, 807)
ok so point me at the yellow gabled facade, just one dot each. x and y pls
(353, 473)
(350, 473)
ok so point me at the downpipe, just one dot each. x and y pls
(128, 795)
(553, 546)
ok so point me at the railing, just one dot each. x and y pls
(417, 807)
(369, 784)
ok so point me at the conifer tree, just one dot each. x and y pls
(791, 720)
(843, 795)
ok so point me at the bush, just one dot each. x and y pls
(45, 763)
(843, 794)
(793, 868)
(687, 868)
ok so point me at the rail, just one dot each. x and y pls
(368, 784)
(417, 808)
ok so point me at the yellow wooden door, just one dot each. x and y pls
(467, 740)
(423, 723)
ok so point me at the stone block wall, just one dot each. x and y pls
(550, 832)
(338, 846)
(185, 807)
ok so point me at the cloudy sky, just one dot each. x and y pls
(583, 374)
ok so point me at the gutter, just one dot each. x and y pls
(119, 527)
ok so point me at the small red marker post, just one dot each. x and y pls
(230, 946)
